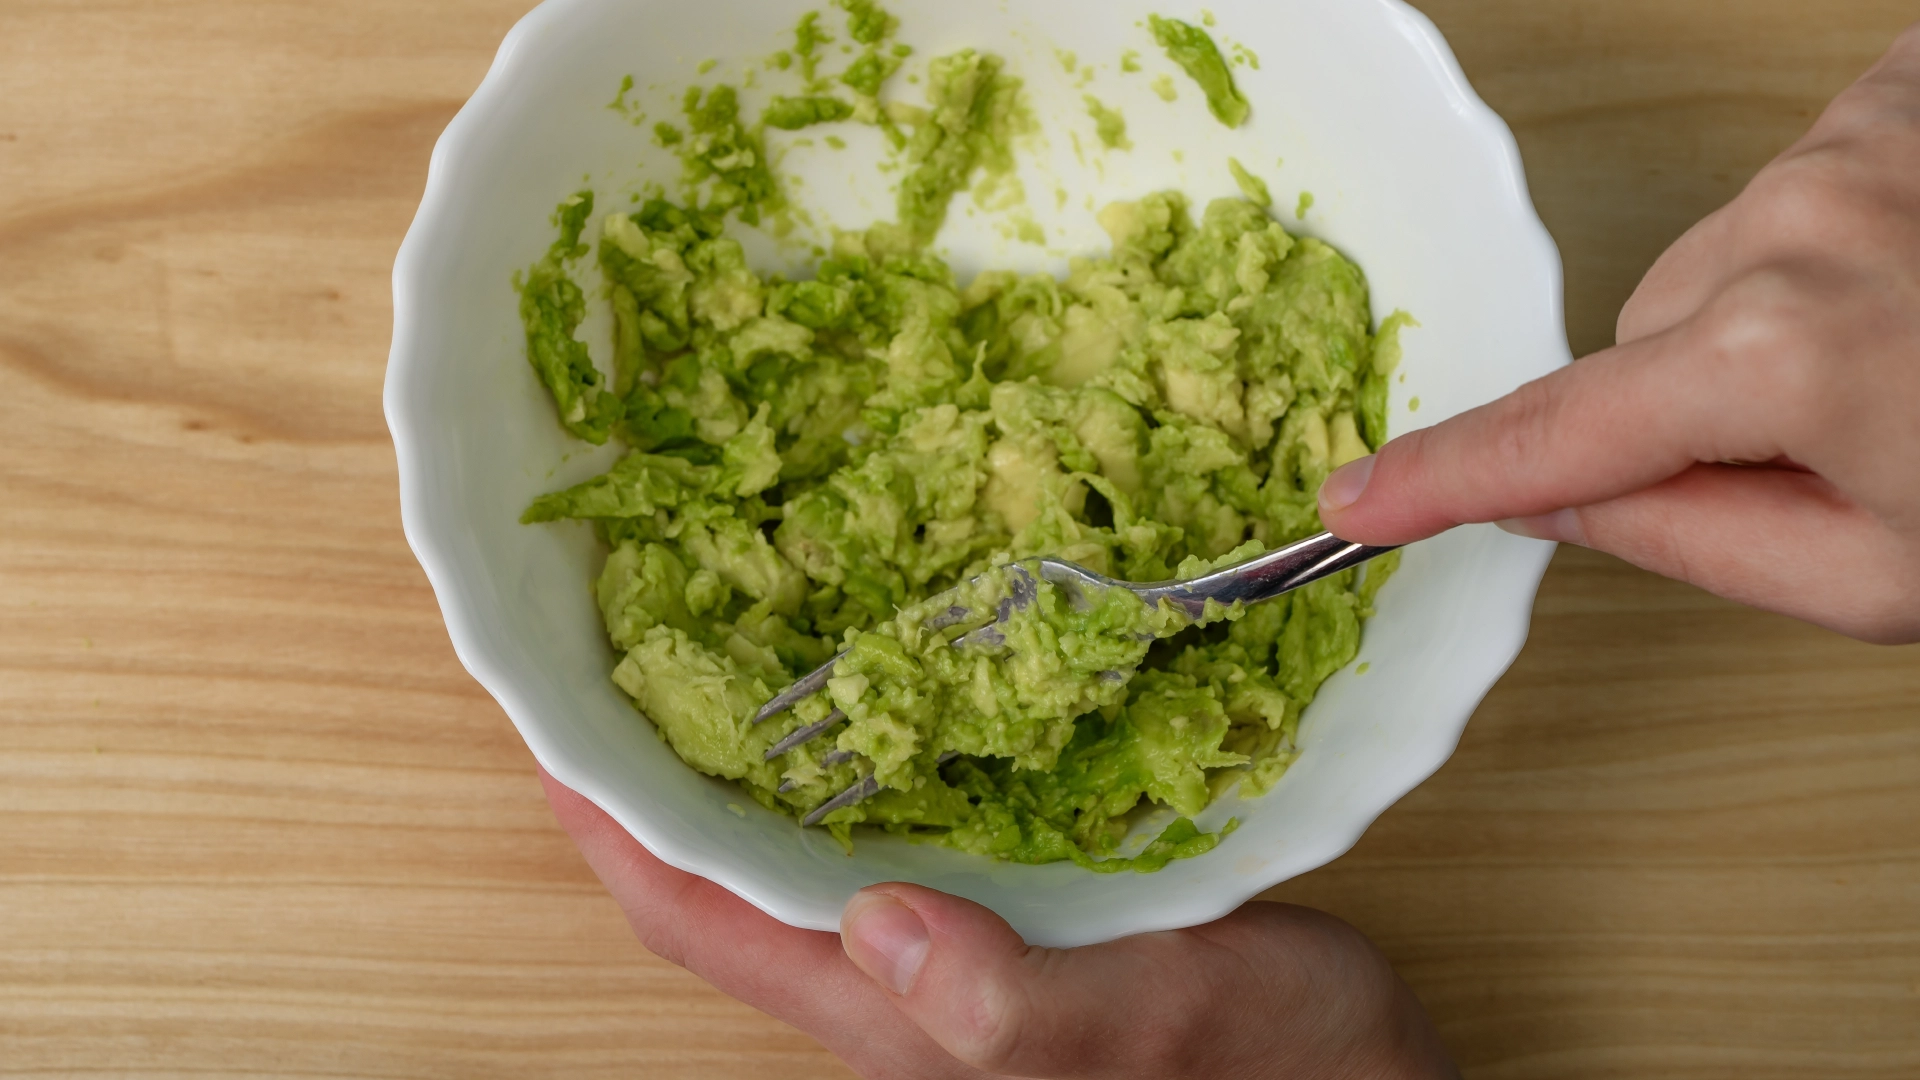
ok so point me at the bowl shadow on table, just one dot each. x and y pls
(1640, 852)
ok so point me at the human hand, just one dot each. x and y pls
(1781, 333)
(931, 987)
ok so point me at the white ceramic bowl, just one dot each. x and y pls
(1413, 177)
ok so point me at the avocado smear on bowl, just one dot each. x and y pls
(812, 462)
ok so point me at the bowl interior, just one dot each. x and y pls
(1356, 101)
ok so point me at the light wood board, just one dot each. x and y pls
(255, 819)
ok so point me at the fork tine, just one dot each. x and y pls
(860, 791)
(987, 635)
(1023, 591)
(813, 681)
(953, 616)
(809, 683)
(803, 735)
(1257, 579)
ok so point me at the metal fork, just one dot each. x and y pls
(1279, 571)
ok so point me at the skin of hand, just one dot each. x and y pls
(920, 985)
(1756, 431)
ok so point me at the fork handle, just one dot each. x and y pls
(1276, 572)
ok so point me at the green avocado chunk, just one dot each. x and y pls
(828, 463)
(1193, 49)
(974, 112)
(867, 23)
(794, 113)
(551, 307)
(1254, 188)
(728, 153)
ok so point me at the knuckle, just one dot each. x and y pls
(1673, 286)
(988, 1031)
(664, 936)
(1765, 314)
(1805, 201)
(666, 946)
(1005, 1030)
(1845, 203)
(1881, 103)
(1530, 415)
(1637, 317)
(1772, 340)
(1659, 538)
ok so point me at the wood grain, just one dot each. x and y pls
(255, 819)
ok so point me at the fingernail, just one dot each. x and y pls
(1347, 484)
(1561, 525)
(885, 939)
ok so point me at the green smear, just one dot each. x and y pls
(1028, 231)
(727, 156)
(867, 74)
(1108, 124)
(1371, 401)
(1254, 188)
(619, 102)
(974, 112)
(867, 23)
(551, 308)
(794, 113)
(871, 27)
(1193, 49)
(808, 38)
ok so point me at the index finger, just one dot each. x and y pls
(1616, 422)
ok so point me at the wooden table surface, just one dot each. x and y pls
(254, 817)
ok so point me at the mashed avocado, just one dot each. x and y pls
(812, 462)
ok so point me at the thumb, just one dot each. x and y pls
(1271, 990)
(1614, 423)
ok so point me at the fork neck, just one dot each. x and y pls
(1278, 571)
